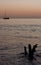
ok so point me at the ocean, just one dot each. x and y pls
(14, 35)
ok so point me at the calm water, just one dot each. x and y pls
(14, 34)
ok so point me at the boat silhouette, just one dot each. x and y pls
(5, 16)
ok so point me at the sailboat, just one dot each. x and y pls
(6, 17)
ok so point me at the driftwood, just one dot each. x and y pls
(31, 51)
(25, 51)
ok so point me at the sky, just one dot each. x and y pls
(20, 8)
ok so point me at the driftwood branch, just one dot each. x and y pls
(31, 51)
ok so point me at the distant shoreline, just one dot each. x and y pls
(21, 18)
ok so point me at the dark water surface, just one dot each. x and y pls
(14, 35)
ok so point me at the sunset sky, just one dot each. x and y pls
(20, 8)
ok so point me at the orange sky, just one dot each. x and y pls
(20, 8)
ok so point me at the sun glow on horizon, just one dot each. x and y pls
(21, 8)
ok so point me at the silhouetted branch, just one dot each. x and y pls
(34, 48)
(25, 51)
(31, 51)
